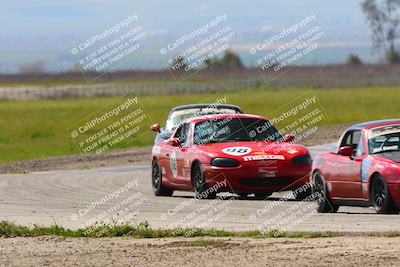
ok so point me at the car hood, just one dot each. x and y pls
(390, 155)
(243, 149)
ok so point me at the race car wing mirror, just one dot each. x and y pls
(288, 138)
(174, 142)
(155, 128)
(346, 151)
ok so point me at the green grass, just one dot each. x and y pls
(38, 128)
(44, 84)
(143, 230)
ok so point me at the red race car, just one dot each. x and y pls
(363, 170)
(243, 154)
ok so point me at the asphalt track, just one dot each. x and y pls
(77, 198)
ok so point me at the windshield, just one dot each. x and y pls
(235, 130)
(179, 116)
(384, 139)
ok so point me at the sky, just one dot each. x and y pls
(47, 30)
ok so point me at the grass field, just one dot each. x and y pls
(38, 128)
(326, 76)
(143, 230)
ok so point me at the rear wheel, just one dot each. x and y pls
(199, 183)
(324, 203)
(156, 180)
(380, 196)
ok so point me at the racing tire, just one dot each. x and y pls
(262, 196)
(321, 196)
(301, 194)
(381, 199)
(156, 181)
(243, 195)
(199, 183)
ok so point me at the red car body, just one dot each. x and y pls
(366, 159)
(262, 167)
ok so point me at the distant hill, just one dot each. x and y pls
(47, 31)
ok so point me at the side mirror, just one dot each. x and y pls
(346, 151)
(288, 138)
(174, 142)
(155, 128)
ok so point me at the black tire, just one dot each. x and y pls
(199, 183)
(243, 195)
(321, 196)
(381, 199)
(156, 181)
(262, 195)
(300, 194)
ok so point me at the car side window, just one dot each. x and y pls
(178, 132)
(347, 139)
(360, 147)
(352, 138)
(186, 135)
(183, 134)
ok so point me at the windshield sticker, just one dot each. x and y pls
(237, 150)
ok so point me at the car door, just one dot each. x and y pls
(345, 176)
(183, 155)
(164, 150)
(179, 169)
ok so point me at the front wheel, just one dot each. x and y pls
(199, 184)
(156, 180)
(381, 198)
(302, 194)
(321, 196)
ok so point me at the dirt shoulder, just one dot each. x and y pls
(338, 251)
(132, 156)
(87, 161)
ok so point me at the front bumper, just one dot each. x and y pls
(256, 177)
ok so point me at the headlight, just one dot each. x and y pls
(302, 160)
(224, 162)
